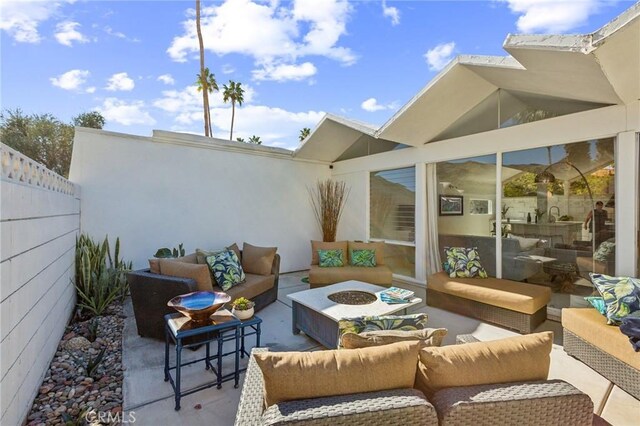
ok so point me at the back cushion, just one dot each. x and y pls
(516, 359)
(300, 375)
(377, 246)
(257, 260)
(154, 264)
(199, 273)
(321, 245)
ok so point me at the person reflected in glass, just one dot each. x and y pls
(595, 222)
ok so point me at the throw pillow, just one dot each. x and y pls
(201, 255)
(464, 263)
(426, 337)
(376, 323)
(605, 251)
(526, 244)
(598, 303)
(226, 269)
(300, 375)
(446, 268)
(257, 260)
(378, 246)
(330, 258)
(621, 295)
(363, 257)
(321, 245)
(516, 359)
(199, 273)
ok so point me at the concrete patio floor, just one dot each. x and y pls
(151, 399)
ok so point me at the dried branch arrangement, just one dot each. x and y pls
(328, 199)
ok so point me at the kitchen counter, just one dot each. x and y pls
(556, 232)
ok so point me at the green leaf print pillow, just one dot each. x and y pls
(330, 258)
(226, 269)
(621, 295)
(464, 262)
(363, 257)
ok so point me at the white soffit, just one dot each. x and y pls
(332, 137)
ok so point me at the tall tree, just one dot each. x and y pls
(207, 81)
(202, 76)
(93, 120)
(233, 93)
(304, 133)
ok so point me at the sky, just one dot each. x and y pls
(136, 61)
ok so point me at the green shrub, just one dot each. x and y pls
(100, 278)
(165, 252)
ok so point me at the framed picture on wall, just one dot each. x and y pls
(477, 206)
(451, 205)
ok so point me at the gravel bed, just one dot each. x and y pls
(69, 393)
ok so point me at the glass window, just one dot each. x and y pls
(467, 196)
(392, 205)
(560, 204)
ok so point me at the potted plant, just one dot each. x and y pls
(242, 308)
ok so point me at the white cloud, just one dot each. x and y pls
(21, 19)
(391, 12)
(167, 79)
(280, 33)
(285, 72)
(372, 105)
(125, 112)
(553, 16)
(118, 34)
(71, 80)
(120, 81)
(66, 33)
(440, 56)
(228, 69)
(91, 89)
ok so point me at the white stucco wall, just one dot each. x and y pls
(206, 193)
(39, 220)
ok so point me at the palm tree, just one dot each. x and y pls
(209, 81)
(255, 139)
(304, 133)
(234, 93)
(203, 82)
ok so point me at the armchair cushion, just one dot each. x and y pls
(425, 336)
(300, 375)
(257, 260)
(515, 359)
(199, 273)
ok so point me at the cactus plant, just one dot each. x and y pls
(165, 252)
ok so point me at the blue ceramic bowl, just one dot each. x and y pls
(199, 305)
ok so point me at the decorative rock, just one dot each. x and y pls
(77, 344)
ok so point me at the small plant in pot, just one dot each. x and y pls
(242, 308)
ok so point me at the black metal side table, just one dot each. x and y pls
(222, 327)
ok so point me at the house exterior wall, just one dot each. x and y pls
(39, 220)
(620, 121)
(206, 193)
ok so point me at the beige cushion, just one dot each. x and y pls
(321, 245)
(591, 326)
(300, 375)
(257, 260)
(515, 359)
(367, 339)
(201, 255)
(199, 273)
(513, 295)
(377, 246)
(380, 275)
(254, 285)
(154, 264)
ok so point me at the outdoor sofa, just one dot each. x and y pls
(150, 292)
(589, 338)
(319, 276)
(527, 402)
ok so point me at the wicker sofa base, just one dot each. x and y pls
(620, 373)
(521, 322)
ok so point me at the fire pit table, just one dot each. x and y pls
(316, 312)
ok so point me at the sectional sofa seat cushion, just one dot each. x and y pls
(380, 275)
(154, 264)
(257, 260)
(515, 359)
(321, 245)
(367, 339)
(513, 295)
(300, 375)
(590, 326)
(199, 273)
(331, 258)
(377, 246)
(253, 285)
(621, 295)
